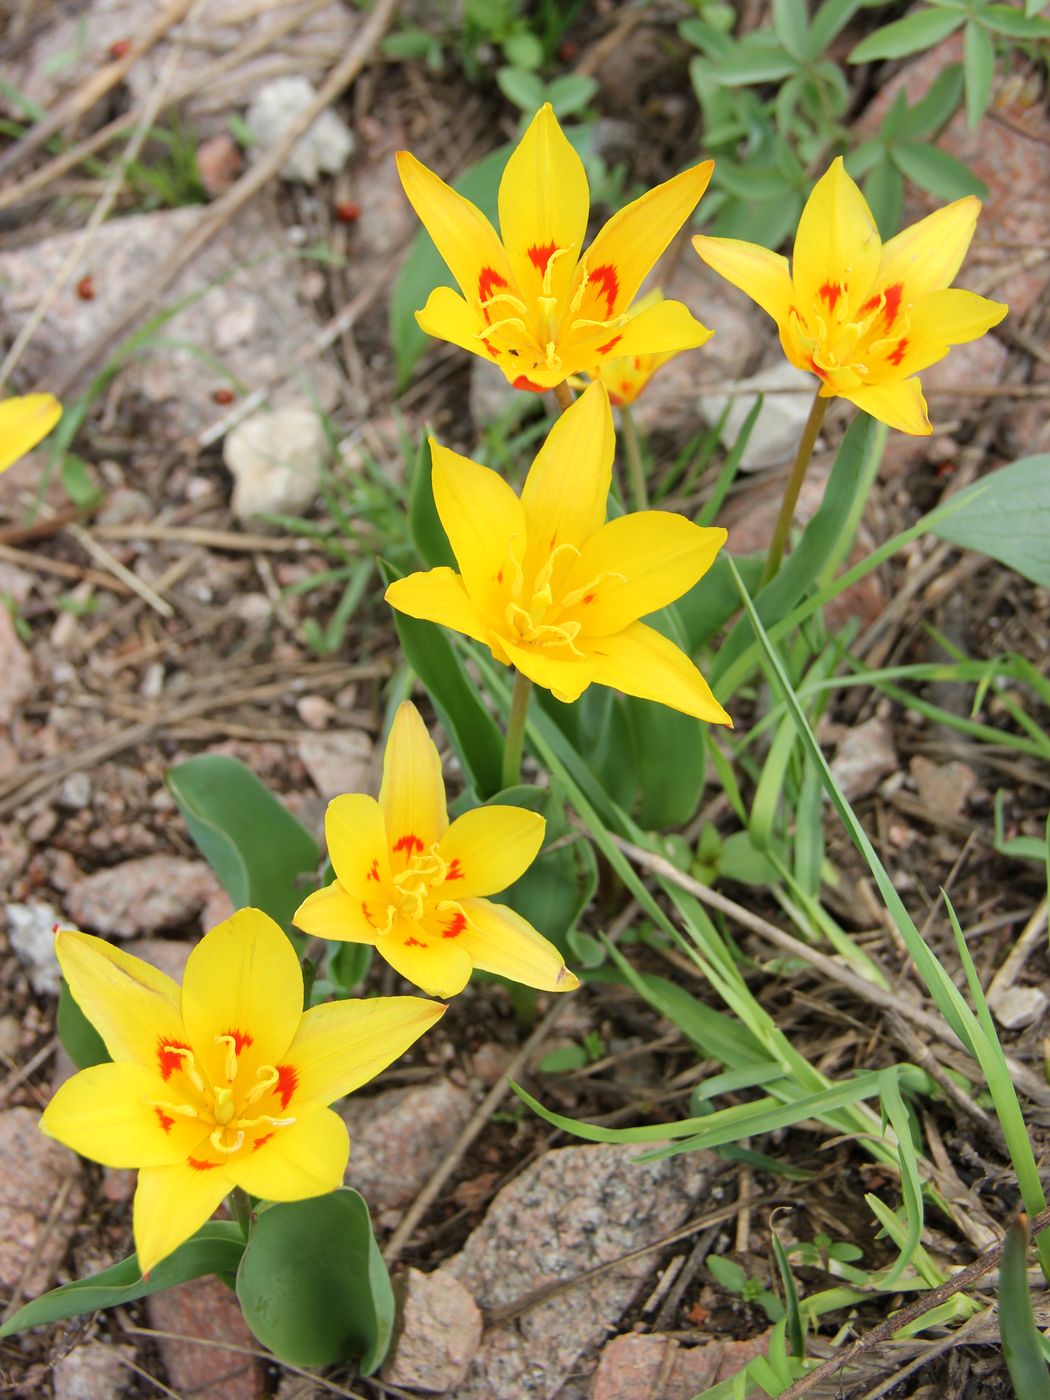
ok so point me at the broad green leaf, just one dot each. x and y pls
(915, 32)
(216, 1248)
(256, 847)
(1005, 19)
(522, 88)
(428, 534)
(790, 24)
(755, 59)
(937, 171)
(884, 191)
(1007, 515)
(570, 92)
(1021, 1338)
(80, 1040)
(523, 50)
(727, 1272)
(830, 20)
(936, 108)
(313, 1285)
(979, 68)
(561, 882)
(563, 1060)
(348, 963)
(469, 726)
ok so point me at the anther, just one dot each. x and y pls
(220, 1146)
(223, 1108)
(263, 1119)
(268, 1077)
(514, 321)
(189, 1065)
(183, 1110)
(231, 1055)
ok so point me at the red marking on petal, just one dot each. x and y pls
(455, 926)
(167, 1057)
(608, 284)
(490, 348)
(241, 1040)
(830, 292)
(259, 1141)
(287, 1083)
(408, 842)
(373, 872)
(199, 1166)
(609, 345)
(893, 302)
(455, 871)
(816, 368)
(897, 354)
(615, 399)
(587, 598)
(540, 255)
(499, 576)
(487, 279)
(523, 383)
(164, 1119)
(414, 943)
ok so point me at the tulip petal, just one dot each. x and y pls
(356, 835)
(115, 1114)
(423, 957)
(484, 522)
(900, 405)
(448, 317)
(565, 676)
(626, 248)
(307, 1158)
(543, 207)
(662, 330)
(763, 275)
(488, 848)
(242, 979)
(133, 1006)
(172, 1203)
(24, 422)
(926, 256)
(461, 232)
(939, 321)
(438, 595)
(343, 1044)
(837, 248)
(331, 913)
(637, 564)
(501, 941)
(413, 792)
(641, 661)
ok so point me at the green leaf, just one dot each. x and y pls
(936, 108)
(790, 23)
(470, 727)
(348, 963)
(313, 1285)
(571, 92)
(408, 44)
(1005, 19)
(1007, 515)
(979, 68)
(755, 59)
(921, 30)
(428, 533)
(256, 847)
(561, 882)
(80, 1040)
(524, 89)
(884, 191)
(216, 1248)
(523, 50)
(935, 170)
(79, 483)
(795, 1329)
(1022, 1341)
(727, 1272)
(830, 20)
(563, 1060)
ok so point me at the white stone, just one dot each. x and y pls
(779, 425)
(276, 458)
(30, 931)
(323, 149)
(1019, 1006)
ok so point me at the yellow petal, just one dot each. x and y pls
(502, 942)
(133, 1006)
(308, 1158)
(330, 913)
(940, 320)
(461, 232)
(837, 248)
(627, 247)
(488, 848)
(664, 329)
(242, 979)
(24, 422)
(413, 793)
(448, 317)
(901, 405)
(358, 846)
(755, 270)
(438, 595)
(641, 661)
(565, 676)
(925, 257)
(567, 489)
(119, 1115)
(171, 1204)
(637, 564)
(484, 522)
(344, 1044)
(439, 966)
(543, 207)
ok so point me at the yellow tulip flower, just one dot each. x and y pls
(550, 586)
(534, 303)
(24, 422)
(224, 1084)
(862, 316)
(626, 376)
(413, 885)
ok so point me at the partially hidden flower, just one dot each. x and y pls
(533, 301)
(625, 376)
(864, 316)
(224, 1083)
(553, 588)
(414, 886)
(24, 422)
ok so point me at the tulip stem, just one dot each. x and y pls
(564, 395)
(798, 474)
(514, 742)
(241, 1209)
(633, 452)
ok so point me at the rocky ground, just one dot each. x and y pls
(163, 618)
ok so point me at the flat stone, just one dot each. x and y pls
(206, 1308)
(865, 756)
(651, 1366)
(399, 1137)
(775, 436)
(438, 1333)
(31, 933)
(167, 954)
(16, 667)
(93, 1371)
(577, 1207)
(338, 761)
(35, 1174)
(943, 787)
(1019, 1006)
(323, 149)
(276, 458)
(141, 896)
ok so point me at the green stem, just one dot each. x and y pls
(798, 474)
(514, 742)
(633, 453)
(564, 395)
(241, 1209)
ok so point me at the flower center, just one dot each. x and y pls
(538, 615)
(843, 349)
(224, 1110)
